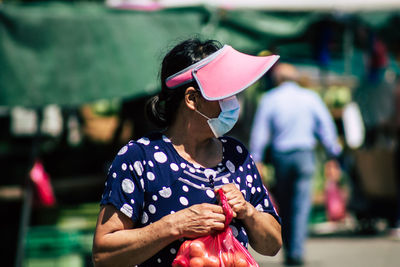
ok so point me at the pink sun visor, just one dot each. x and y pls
(223, 73)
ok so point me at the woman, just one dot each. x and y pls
(161, 189)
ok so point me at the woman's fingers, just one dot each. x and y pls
(201, 219)
(236, 200)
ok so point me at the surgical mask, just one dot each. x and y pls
(227, 118)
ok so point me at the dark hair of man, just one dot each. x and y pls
(162, 108)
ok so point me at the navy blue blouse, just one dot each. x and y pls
(148, 179)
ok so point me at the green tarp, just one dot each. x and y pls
(73, 53)
(70, 54)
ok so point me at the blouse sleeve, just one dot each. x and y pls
(260, 197)
(252, 185)
(124, 186)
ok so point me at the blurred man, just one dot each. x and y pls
(289, 122)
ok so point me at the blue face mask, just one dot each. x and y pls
(227, 118)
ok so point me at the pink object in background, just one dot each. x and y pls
(334, 202)
(224, 73)
(42, 184)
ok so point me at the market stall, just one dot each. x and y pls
(74, 54)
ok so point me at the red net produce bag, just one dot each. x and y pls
(218, 250)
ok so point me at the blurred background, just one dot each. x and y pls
(75, 75)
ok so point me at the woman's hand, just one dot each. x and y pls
(262, 228)
(241, 208)
(332, 170)
(199, 220)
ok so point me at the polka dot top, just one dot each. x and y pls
(148, 179)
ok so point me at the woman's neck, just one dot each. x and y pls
(195, 147)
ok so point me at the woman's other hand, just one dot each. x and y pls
(199, 220)
(241, 208)
(263, 230)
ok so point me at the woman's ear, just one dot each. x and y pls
(191, 98)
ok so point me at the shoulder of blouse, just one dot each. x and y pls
(235, 147)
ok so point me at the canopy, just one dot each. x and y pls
(69, 54)
(271, 5)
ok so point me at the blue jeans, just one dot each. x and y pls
(293, 173)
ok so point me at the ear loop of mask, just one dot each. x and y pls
(202, 114)
(198, 92)
(208, 121)
(226, 119)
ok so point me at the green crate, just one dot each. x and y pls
(70, 260)
(57, 247)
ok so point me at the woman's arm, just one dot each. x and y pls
(263, 230)
(118, 243)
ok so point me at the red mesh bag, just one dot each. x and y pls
(218, 250)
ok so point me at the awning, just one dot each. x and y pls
(70, 54)
(270, 5)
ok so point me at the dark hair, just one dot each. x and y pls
(162, 108)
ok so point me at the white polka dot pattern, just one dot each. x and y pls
(138, 168)
(243, 231)
(165, 192)
(128, 186)
(210, 193)
(155, 183)
(196, 165)
(127, 210)
(152, 209)
(259, 207)
(144, 141)
(166, 139)
(174, 167)
(151, 176)
(183, 201)
(230, 166)
(123, 150)
(235, 231)
(249, 178)
(124, 166)
(160, 157)
(145, 218)
(209, 173)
